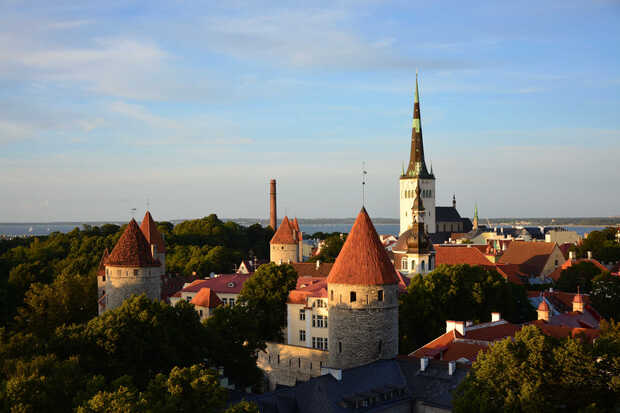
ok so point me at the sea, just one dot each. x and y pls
(38, 229)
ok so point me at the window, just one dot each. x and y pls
(353, 297)
(380, 345)
(340, 347)
(225, 301)
(403, 264)
(103, 278)
(380, 295)
(231, 301)
(332, 295)
(319, 321)
(278, 359)
(302, 314)
(302, 335)
(319, 343)
(556, 263)
(135, 272)
(200, 312)
(422, 264)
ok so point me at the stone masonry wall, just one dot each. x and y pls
(285, 364)
(363, 331)
(284, 253)
(121, 283)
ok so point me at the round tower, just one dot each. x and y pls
(284, 246)
(363, 300)
(131, 269)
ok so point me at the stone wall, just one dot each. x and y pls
(284, 253)
(122, 282)
(365, 330)
(286, 365)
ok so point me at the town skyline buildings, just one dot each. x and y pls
(195, 109)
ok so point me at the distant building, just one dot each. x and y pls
(136, 265)
(536, 259)
(286, 246)
(227, 287)
(562, 236)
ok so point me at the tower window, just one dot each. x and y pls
(380, 295)
(340, 347)
(380, 346)
(332, 295)
(353, 297)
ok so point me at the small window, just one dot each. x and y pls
(103, 278)
(556, 263)
(225, 301)
(340, 347)
(403, 264)
(380, 295)
(302, 335)
(422, 264)
(380, 346)
(302, 314)
(278, 359)
(332, 295)
(353, 297)
(200, 312)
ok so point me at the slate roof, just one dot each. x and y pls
(284, 234)
(363, 259)
(151, 233)
(401, 377)
(132, 249)
(207, 298)
(447, 214)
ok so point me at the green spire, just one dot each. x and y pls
(476, 211)
(417, 94)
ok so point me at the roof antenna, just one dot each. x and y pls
(364, 173)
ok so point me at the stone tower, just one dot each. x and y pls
(363, 300)
(130, 269)
(417, 175)
(414, 252)
(285, 245)
(155, 239)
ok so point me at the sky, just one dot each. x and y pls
(192, 107)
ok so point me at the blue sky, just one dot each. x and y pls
(196, 105)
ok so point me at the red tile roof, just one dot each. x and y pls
(132, 250)
(284, 234)
(309, 269)
(543, 306)
(151, 233)
(530, 256)
(460, 255)
(308, 287)
(563, 331)
(296, 225)
(226, 283)
(206, 298)
(491, 331)
(363, 259)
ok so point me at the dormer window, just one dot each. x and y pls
(231, 284)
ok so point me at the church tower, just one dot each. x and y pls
(363, 300)
(414, 252)
(417, 174)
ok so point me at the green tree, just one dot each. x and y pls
(578, 275)
(68, 299)
(140, 338)
(536, 373)
(331, 248)
(605, 295)
(243, 407)
(234, 335)
(602, 244)
(121, 400)
(457, 292)
(265, 295)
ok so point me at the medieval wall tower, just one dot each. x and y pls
(131, 268)
(285, 246)
(363, 300)
(417, 174)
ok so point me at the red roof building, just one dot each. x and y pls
(285, 233)
(363, 259)
(536, 259)
(151, 233)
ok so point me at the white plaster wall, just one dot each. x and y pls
(407, 195)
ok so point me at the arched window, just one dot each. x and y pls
(412, 265)
(422, 265)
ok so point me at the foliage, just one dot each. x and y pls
(70, 298)
(243, 407)
(457, 292)
(605, 295)
(265, 295)
(602, 244)
(233, 338)
(578, 275)
(537, 373)
(330, 249)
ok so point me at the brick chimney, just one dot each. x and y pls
(273, 215)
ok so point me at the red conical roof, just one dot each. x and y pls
(152, 234)
(132, 249)
(284, 234)
(296, 225)
(363, 259)
(578, 298)
(543, 306)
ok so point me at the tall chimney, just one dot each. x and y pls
(273, 215)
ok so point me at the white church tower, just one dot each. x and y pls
(417, 173)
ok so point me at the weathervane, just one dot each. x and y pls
(364, 173)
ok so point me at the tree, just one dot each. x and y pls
(265, 294)
(330, 249)
(602, 244)
(243, 407)
(234, 335)
(457, 292)
(605, 295)
(537, 373)
(578, 275)
(68, 299)
(120, 400)
(140, 338)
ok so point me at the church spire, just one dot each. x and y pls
(417, 165)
